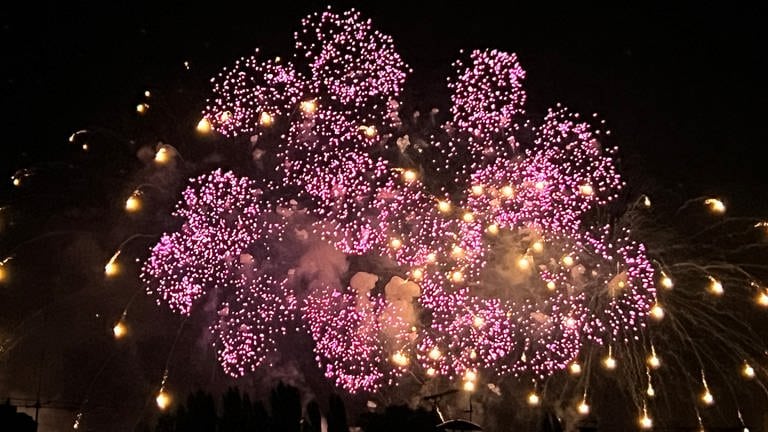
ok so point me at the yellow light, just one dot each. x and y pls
(533, 399)
(477, 190)
(523, 263)
(650, 391)
(507, 191)
(493, 229)
(657, 312)
(203, 126)
(369, 131)
(224, 116)
(112, 268)
(396, 243)
(574, 368)
(646, 201)
(443, 206)
(457, 251)
(653, 360)
(583, 408)
(473, 354)
(715, 286)
(147, 93)
(3, 273)
(163, 155)
(707, 397)
(417, 274)
(666, 282)
(468, 217)
(163, 400)
(85, 146)
(142, 108)
(715, 205)
(478, 321)
(609, 362)
(748, 371)
(400, 359)
(645, 421)
(537, 246)
(119, 330)
(470, 375)
(567, 260)
(266, 119)
(540, 185)
(16, 181)
(431, 372)
(551, 286)
(309, 106)
(410, 176)
(762, 299)
(469, 386)
(133, 203)
(586, 190)
(435, 354)
(431, 257)
(457, 276)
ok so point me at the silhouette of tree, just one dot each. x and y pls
(286, 409)
(314, 418)
(399, 418)
(13, 421)
(337, 415)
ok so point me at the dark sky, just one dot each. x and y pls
(681, 87)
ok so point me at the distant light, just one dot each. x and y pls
(715, 205)
(493, 229)
(715, 286)
(574, 368)
(583, 408)
(133, 203)
(537, 246)
(400, 359)
(469, 386)
(567, 260)
(748, 371)
(762, 298)
(431, 257)
(431, 372)
(650, 391)
(540, 185)
(16, 181)
(551, 285)
(645, 422)
(163, 155)
(417, 274)
(507, 191)
(478, 321)
(646, 201)
(435, 354)
(470, 375)
(477, 190)
(586, 190)
(3, 273)
(457, 276)
(120, 330)
(266, 119)
(396, 243)
(163, 400)
(224, 116)
(369, 131)
(147, 94)
(468, 217)
(657, 312)
(308, 106)
(653, 361)
(609, 362)
(112, 268)
(666, 282)
(203, 126)
(410, 176)
(444, 206)
(142, 108)
(707, 397)
(523, 263)
(533, 399)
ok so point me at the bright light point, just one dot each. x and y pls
(574, 368)
(468, 217)
(748, 371)
(583, 408)
(469, 386)
(762, 299)
(707, 398)
(477, 190)
(645, 422)
(400, 359)
(16, 181)
(162, 156)
(473, 355)
(478, 321)
(431, 257)
(493, 229)
(540, 185)
(650, 391)
(431, 372)
(715, 286)
(457, 276)
(163, 400)
(715, 205)
(586, 190)
(266, 119)
(435, 354)
(609, 362)
(3, 273)
(533, 399)
(567, 260)
(147, 93)
(551, 286)
(133, 203)
(417, 274)
(85, 146)
(653, 361)
(443, 206)
(537, 247)
(119, 330)
(410, 176)
(470, 375)
(142, 108)
(507, 191)
(369, 131)
(203, 126)
(646, 201)
(309, 107)
(224, 116)
(657, 312)
(396, 243)
(523, 263)
(666, 282)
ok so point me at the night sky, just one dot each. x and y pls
(681, 88)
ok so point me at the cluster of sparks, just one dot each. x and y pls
(507, 271)
(502, 267)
